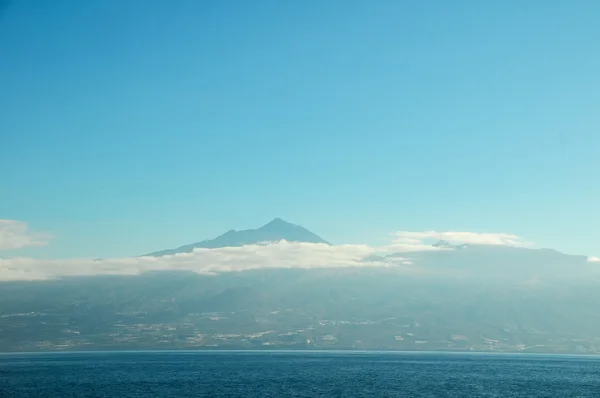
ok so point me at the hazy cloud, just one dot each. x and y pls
(593, 259)
(16, 235)
(415, 241)
(230, 259)
(205, 261)
(410, 247)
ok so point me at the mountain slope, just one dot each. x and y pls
(479, 298)
(501, 262)
(275, 230)
(344, 308)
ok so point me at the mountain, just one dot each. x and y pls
(340, 308)
(447, 245)
(443, 244)
(456, 298)
(500, 262)
(275, 230)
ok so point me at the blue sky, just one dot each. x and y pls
(132, 126)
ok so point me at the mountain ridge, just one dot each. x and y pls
(275, 230)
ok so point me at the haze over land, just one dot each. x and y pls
(282, 286)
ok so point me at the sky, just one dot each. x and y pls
(128, 127)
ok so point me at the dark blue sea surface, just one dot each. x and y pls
(296, 374)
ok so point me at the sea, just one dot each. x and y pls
(296, 374)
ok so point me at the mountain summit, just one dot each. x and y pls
(275, 230)
(444, 244)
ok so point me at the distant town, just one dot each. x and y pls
(213, 330)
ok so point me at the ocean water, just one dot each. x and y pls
(296, 374)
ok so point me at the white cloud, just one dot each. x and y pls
(416, 241)
(205, 261)
(410, 247)
(16, 235)
(230, 259)
(593, 259)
